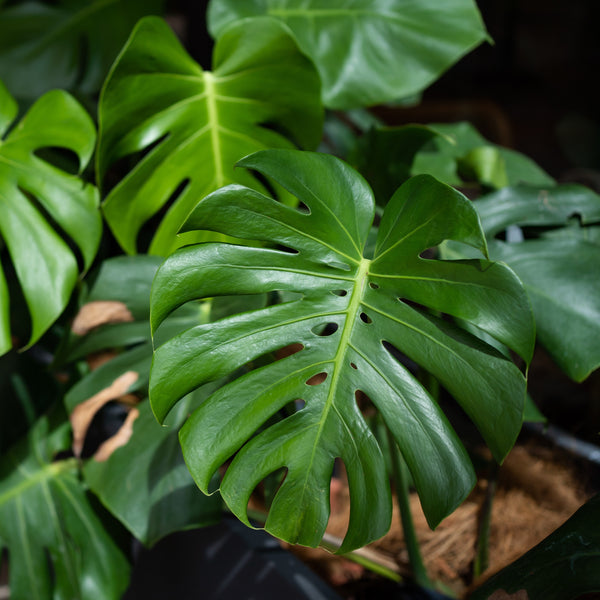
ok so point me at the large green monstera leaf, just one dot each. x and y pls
(194, 125)
(40, 205)
(58, 546)
(351, 319)
(368, 51)
(68, 44)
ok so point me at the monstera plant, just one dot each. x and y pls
(274, 311)
(354, 317)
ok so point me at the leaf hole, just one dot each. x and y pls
(325, 330)
(317, 379)
(339, 292)
(339, 497)
(366, 407)
(287, 249)
(373, 286)
(365, 318)
(411, 365)
(62, 158)
(299, 404)
(353, 365)
(302, 208)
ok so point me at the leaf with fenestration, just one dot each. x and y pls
(368, 51)
(353, 317)
(560, 272)
(57, 545)
(193, 125)
(40, 205)
(67, 44)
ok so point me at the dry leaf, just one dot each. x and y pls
(83, 414)
(119, 439)
(100, 312)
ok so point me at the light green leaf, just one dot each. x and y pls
(564, 565)
(194, 125)
(40, 205)
(67, 44)
(353, 317)
(58, 547)
(462, 153)
(368, 51)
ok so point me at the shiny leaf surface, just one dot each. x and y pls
(40, 205)
(369, 51)
(193, 125)
(352, 317)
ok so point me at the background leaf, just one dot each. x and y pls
(41, 204)
(564, 565)
(46, 516)
(369, 51)
(194, 125)
(559, 268)
(68, 44)
(350, 312)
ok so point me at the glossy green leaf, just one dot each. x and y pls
(368, 51)
(462, 153)
(67, 44)
(193, 125)
(565, 565)
(58, 547)
(560, 272)
(347, 314)
(40, 205)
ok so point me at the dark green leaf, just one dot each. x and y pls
(565, 565)
(346, 311)
(40, 204)
(261, 93)
(369, 51)
(68, 44)
(58, 547)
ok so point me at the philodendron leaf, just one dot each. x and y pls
(369, 51)
(353, 316)
(560, 272)
(564, 565)
(40, 205)
(58, 547)
(68, 44)
(194, 125)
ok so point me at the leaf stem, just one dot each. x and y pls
(401, 476)
(482, 558)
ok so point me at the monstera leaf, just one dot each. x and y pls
(58, 547)
(560, 272)
(193, 125)
(369, 51)
(41, 205)
(68, 44)
(350, 318)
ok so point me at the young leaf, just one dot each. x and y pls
(193, 125)
(40, 204)
(58, 547)
(369, 51)
(68, 44)
(352, 319)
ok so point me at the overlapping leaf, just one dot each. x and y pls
(559, 268)
(351, 317)
(193, 125)
(67, 44)
(58, 547)
(369, 51)
(41, 204)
